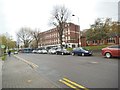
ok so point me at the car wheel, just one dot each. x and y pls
(83, 54)
(73, 54)
(107, 55)
(62, 53)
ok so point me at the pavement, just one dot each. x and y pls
(1, 74)
(18, 74)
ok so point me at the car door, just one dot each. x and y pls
(78, 51)
(115, 50)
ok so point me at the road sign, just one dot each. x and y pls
(2, 46)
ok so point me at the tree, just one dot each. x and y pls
(99, 30)
(6, 40)
(24, 35)
(115, 29)
(36, 36)
(60, 16)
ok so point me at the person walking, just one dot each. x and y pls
(9, 53)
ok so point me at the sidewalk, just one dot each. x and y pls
(18, 74)
(1, 74)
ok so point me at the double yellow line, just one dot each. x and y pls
(72, 84)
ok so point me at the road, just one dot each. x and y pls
(89, 71)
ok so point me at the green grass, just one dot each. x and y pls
(3, 57)
(69, 49)
(99, 47)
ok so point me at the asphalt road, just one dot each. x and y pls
(89, 71)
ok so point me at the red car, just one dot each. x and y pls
(111, 51)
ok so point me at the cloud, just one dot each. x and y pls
(15, 14)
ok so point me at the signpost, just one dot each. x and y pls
(2, 51)
(2, 46)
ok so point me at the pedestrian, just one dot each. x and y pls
(9, 53)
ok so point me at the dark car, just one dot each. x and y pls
(111, 51)
(62, 52)
(81, 51)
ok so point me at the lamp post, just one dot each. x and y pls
(79, 41)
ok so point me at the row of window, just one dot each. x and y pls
(110, 40)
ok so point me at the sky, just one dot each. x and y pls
(15, 14)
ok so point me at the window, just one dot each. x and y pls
(73, 46)
(111, 40)
(116, 46)
(68, 31)
(68, 37)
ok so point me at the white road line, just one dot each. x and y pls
(30, 63)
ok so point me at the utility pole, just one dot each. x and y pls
(79, 34)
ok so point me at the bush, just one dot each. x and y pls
(69, 49)
(99, 47)
(4, 57)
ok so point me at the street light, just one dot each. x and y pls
(79, 31)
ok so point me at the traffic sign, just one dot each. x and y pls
(2, 46)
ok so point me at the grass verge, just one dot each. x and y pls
(3, 57)
(99, 47)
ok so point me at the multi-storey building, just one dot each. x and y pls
(71, 36)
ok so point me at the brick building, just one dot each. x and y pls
(112, 40)
(71, 36)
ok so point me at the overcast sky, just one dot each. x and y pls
(15, 14)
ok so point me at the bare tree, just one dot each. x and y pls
(36, 36)
(24, 36)
(60, 16)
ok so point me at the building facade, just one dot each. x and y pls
(71, 36)
(112, 40)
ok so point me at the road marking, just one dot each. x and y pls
(30, 63)
(69, 85)
(29, 81)
(78, 85)
(72, 84)
(94, 62)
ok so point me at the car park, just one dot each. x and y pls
(111, 51)
(81, 51)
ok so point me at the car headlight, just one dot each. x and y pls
(86, 51)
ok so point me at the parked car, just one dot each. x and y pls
(111, 51)
(15, 52)
(34, 51)
(43, 51)
(26, 50)
(62, 52)
(52, 51)
(81, 51)
(39, 51)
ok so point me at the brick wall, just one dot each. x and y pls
(51, 37)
